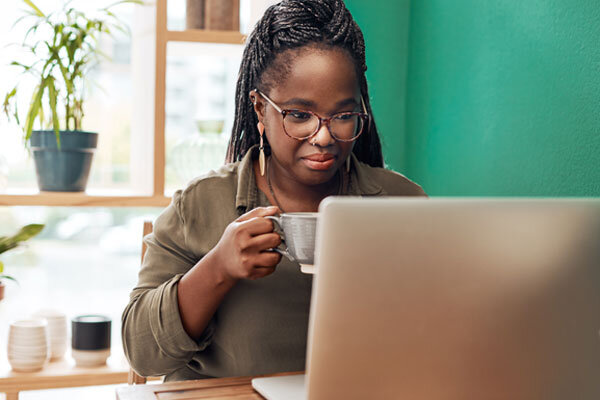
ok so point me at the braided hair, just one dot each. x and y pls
(289, 25)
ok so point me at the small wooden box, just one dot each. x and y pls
(194, 14)
(222, 15)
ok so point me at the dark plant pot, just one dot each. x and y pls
(67, 169)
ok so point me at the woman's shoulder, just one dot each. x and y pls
(386, 181)
(222, 176)
(214, 187)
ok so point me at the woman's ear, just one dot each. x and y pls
(258, 104)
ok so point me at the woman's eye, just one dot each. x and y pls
(344, 117)
(299, 115)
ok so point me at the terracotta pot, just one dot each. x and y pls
(194, 14)
(222, 15)
(2, 286)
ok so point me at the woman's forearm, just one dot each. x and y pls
(200, 292)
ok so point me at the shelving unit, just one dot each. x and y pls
(163, 36)
(65, 199)
(204, 36)
(157, 198)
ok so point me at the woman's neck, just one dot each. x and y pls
(289, 195)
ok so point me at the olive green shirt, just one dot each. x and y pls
(261, 325)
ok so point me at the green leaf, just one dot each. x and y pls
(9, 278)
(41, 109)
(16, 114)
(140, 2)
(21, 18)
(27, 232)
(7, 246)
(1, 267)
(6, 104)
(53, 94)
(38, 12)
(18, 64)
(32, 29)
(34, 108)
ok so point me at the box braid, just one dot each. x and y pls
(288, 25)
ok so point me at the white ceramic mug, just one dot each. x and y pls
(298, 236)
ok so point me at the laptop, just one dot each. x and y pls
(452, 299)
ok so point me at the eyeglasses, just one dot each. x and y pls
(304, 124)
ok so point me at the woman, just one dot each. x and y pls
(212, 300)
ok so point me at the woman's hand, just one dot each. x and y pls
(241, 251)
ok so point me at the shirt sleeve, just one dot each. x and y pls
(154, 339)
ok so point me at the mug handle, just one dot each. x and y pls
(283, 252)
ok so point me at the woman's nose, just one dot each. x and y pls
(323, 137)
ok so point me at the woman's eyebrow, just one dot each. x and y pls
(298, 101)
(347, 102)
(350, 101)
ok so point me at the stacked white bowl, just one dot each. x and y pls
(28, 344)
(57, 331)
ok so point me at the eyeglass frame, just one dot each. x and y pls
(364, 115)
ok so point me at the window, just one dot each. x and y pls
(131, 164)
(110, 94)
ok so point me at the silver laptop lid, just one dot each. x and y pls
(455, 299)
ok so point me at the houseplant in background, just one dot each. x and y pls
(10, 242)
(63, 47)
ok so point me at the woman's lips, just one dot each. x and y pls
(319, 161)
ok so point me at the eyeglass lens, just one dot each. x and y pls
(301, 124)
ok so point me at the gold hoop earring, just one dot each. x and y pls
(261, 149)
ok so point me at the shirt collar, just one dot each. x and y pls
(247, 197)
(361, 184)
(247, 190)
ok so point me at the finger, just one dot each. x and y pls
(257, 226)
(265, 241)
(267, 259)
(261, 272)
(258, 212)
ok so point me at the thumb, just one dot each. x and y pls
(259, 212)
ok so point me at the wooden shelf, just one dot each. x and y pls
(206, 36)
(63, 373)
(65, 199)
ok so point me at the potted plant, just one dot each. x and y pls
(10, 242)
(64, 48)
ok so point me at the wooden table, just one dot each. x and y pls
(219, 388)
(61, 374)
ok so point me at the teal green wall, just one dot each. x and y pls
(487, 98)
(385, 25)
(503, 97)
